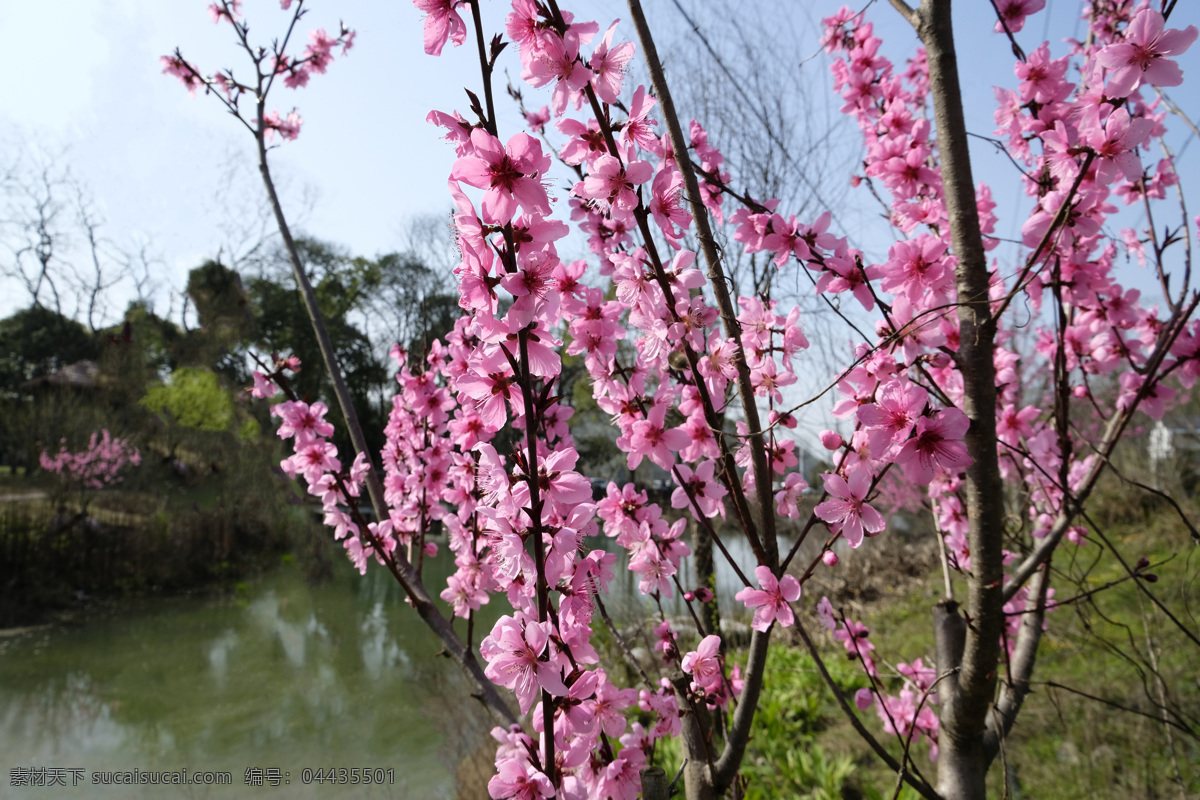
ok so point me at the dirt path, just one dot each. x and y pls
(104, 515)
(22, 497)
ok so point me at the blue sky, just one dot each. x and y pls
(158, 161)
(84, 80)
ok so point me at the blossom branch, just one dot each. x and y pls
(1112, 435)
(717, 279)
(400, 566)
(921, 787)
(1016, 686)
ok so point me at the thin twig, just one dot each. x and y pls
(924, 789)
(1119, 707)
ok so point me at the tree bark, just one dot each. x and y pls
(962, 762)
(727, 766)
(706, 576)
(1020, 668)
(696, 740)
(706, 776)
(950, 638)
(654, 784)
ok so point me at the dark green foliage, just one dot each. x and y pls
(283, 326)
(208, 502)
(36, 342)
(226, 324)
(171, 538)
(368, 304)
(153, 345)
(221, 303)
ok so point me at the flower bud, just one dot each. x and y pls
(830, 558)
(785, 419)
(831, 440)
(939, 360)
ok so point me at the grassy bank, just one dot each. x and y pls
(1092, 727)
(160, 534)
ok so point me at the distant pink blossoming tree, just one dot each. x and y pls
(93, 468)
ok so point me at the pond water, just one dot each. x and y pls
(283, 674)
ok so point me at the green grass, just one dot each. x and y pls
(1064, 745)
(786, 758)
(1069, 746)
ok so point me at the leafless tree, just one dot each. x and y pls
(34, 225)
(107, 264)
(783, 138)
(144, 263)
(59, 248)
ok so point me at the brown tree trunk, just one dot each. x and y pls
(706, 576)
(962, 761)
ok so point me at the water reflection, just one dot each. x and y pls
(284, 675)
(65, 714)
(380, 651)
(281, 674)
(218, 654)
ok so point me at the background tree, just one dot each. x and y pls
(407, 301)
(58, 247)
(224, 313)
(39, 341)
